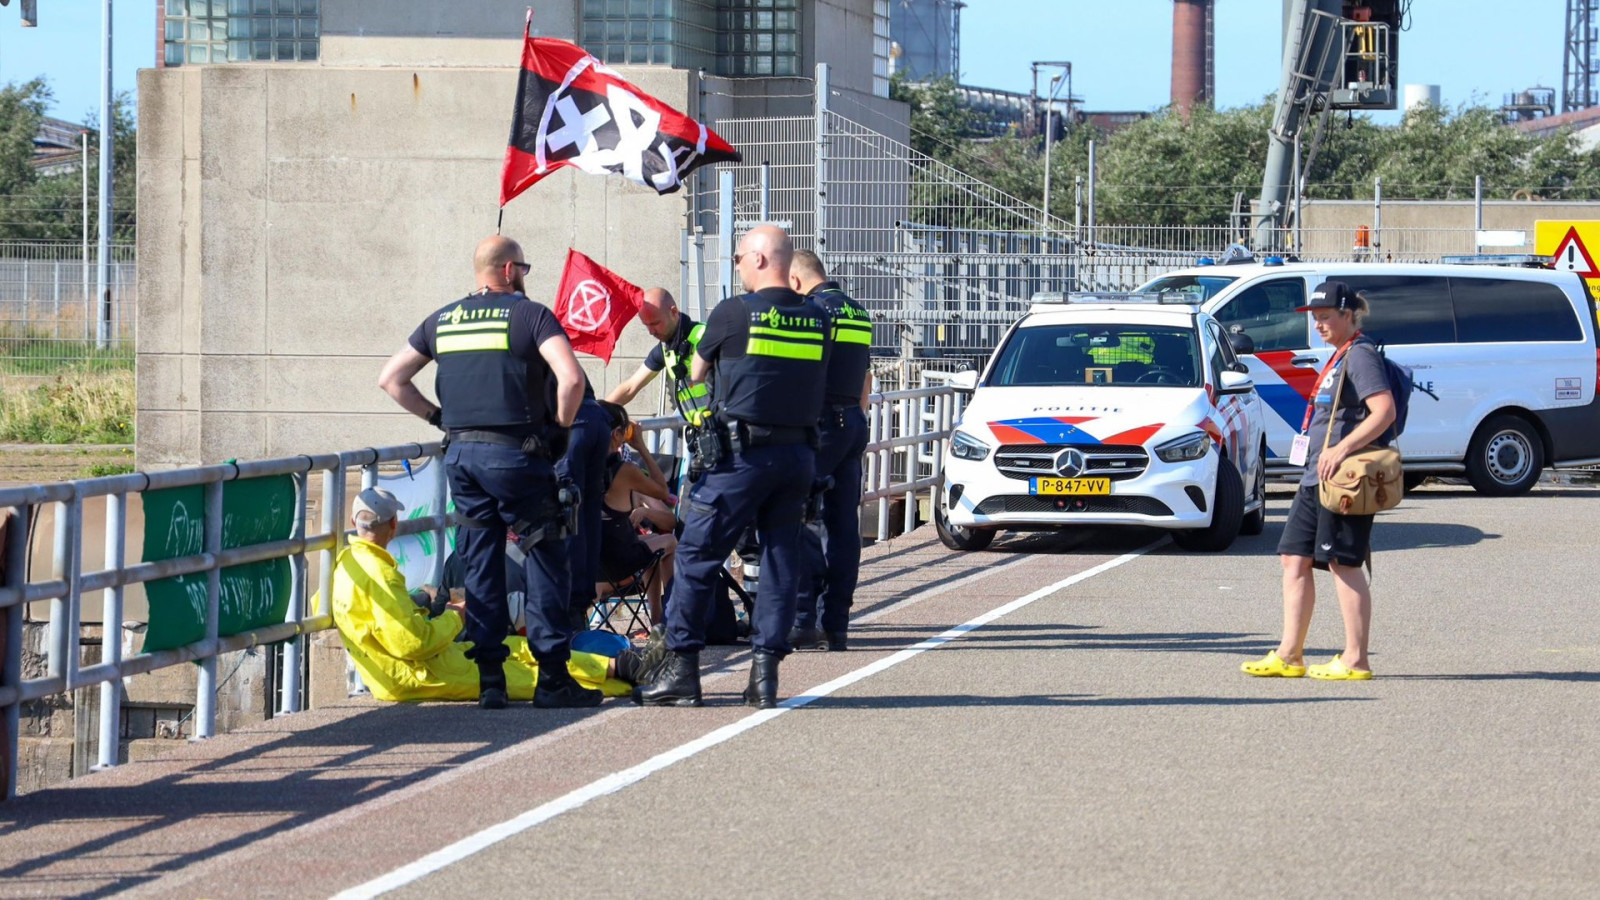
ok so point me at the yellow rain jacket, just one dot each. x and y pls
(404, 655)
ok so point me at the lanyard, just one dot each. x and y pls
(1305, 426)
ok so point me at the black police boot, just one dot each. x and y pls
(676, 682)
(805, 638)
(762, 692)
(491, 686)
(836, 641)
(557, 690)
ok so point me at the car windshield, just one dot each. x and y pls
(1194, 288)
(1098, 354)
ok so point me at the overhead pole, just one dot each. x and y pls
(1297, 92)
(107, 139)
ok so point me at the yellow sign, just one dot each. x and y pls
(1571, 245)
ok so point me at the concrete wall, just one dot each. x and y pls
(1428, 228)
(299, 222)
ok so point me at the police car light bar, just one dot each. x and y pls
(1523, 260)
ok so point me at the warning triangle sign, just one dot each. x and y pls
(1572, 256)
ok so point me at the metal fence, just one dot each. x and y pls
(909, 431)
(944, 260)
(49, 317)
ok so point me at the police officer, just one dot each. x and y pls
(678, 335)
(768, 349)
(842, 438)
(509, 388)
(584, 464)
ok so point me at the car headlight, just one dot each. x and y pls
(1190, 446)
(965, 446)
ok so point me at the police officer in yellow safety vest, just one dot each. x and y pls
(678, 335)
(768, 349)
(509, 388)
(842, 438)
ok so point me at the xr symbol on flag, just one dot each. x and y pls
(589, 307)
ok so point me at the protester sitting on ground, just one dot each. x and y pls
(402, 654)
(635, 498)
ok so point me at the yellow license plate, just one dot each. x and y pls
(1070, 486)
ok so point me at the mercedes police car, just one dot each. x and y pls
(1107, 409)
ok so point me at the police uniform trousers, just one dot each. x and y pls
(500, 485)
(585, 464)
(831, 575)
(766, 486)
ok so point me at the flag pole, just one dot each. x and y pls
(527, 32)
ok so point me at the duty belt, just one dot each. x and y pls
(750, 435)
(476, 436)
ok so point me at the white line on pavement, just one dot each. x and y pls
(616, 781)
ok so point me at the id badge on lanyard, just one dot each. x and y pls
(1301, 448)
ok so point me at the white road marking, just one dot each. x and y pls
(616, 781)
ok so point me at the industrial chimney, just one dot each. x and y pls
(1193, 53)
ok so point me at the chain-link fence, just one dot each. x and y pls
(49, 315)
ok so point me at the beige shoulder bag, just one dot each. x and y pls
(1368, 481)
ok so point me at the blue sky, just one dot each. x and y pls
(1476, 50)
(1120, 50)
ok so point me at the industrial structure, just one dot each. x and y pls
(927, 38)
(1194, 53)
(1580, 64)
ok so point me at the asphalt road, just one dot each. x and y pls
(1095, 738)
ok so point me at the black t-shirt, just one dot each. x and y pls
(531, 325)
(1366, 378)
(656, 359)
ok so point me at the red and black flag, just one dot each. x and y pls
(573, 111)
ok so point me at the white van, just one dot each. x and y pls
(1505, 358)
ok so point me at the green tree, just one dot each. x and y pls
(35, 207)
(1175, 170)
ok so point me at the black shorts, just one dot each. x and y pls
(1322, 535)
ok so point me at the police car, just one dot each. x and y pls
(1108, 409)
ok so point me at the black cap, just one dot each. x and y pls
(1331, 295)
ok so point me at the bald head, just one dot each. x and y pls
(499, 265)
(659, 314)
(764, 256)
(806, 271)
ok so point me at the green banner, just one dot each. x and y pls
(254, 511)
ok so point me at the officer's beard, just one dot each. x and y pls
(517, 286)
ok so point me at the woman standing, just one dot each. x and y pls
(1314, 537)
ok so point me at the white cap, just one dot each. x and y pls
(379, 502)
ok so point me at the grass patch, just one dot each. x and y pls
(101, 470)
(74, 407)
(36, 352)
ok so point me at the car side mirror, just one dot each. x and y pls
(1235, 383)
(965, 381)
(1241, 342)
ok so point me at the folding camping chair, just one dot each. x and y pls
(629, 595)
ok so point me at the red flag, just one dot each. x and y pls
(594, 304)
(573, 111)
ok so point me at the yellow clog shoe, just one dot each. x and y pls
(1336, 670)
(1272, 666)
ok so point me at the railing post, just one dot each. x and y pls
(64, 611)
(820, 175)
(885, 466)
(294, 648)
(111, 633)
(16, 575)
(205, 700)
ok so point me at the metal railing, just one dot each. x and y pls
(68, 583)
(908, 432)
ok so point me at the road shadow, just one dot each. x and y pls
(1387, 534)
(956, 701)
(291, 778)
(1571, 677)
